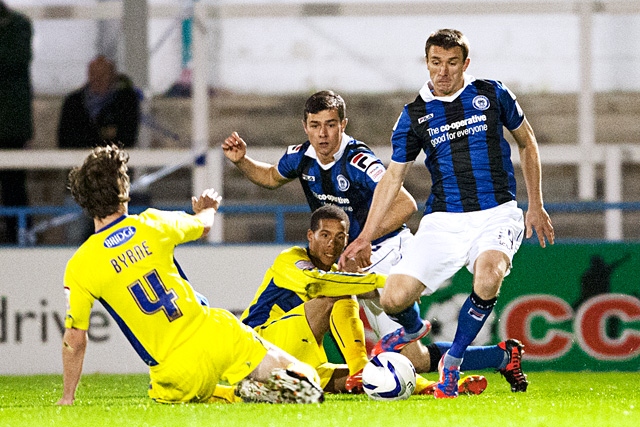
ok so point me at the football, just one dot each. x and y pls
(389, 376)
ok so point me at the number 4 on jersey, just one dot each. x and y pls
(159, 298)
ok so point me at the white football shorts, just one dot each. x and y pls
(447, 241)
(384, 256)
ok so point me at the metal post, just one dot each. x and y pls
(205, 168)
(199, 100)
(108, 34)
(214, 179)
(586, 126)
(136, 45)
(613, 192)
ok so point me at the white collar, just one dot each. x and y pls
(311, 152)
(427, 95)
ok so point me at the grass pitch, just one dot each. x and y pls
(553, 399)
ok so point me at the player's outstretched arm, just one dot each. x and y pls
(263, 174)
(402, 208)
(205, 208)
(385, 193)
(536, 217)
(74, 344)
(234, 148)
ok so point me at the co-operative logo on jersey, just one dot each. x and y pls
(481, 102)
(362, 161)
(343, 183)
(119, 237)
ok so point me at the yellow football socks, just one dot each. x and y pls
(348, 331)
(225, 394)
(423, 385)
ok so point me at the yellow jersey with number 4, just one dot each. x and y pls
(129, 267)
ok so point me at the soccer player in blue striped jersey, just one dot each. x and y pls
(471, 218)
(303, 296)
(336, 169)
(128, 265)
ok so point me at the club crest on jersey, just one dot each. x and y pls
(481, 102)
(293, 149)
(343, 183)
(362, 161)
(119, 237)
(425, 118)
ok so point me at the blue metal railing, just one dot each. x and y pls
(24, 213)
(278, 211)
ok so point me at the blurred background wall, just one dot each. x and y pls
(324, 45)
(574, 64)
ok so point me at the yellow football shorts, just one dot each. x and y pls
(292, 333)
(223, 349)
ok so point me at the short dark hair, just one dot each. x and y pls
(447, 38)
(328, 212)
(101, 185)
(325, 100)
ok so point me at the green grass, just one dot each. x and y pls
(553, 399)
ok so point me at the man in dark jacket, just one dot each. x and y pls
(16, 122)
(106, 109)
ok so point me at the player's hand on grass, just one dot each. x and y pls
(234, 147)
(538, 219)
(65, 401)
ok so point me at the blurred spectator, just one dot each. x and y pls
(105, 109)
(16, 122)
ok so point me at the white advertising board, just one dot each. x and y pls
(32, 304)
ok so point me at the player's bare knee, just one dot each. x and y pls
(400, 292)
(488, 275)
(418, 354)
(393, 302)
(487, 282)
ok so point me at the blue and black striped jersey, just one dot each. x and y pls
(462, 136)
(348, 182)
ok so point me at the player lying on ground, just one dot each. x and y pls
(128, 265)
(303, 296)
(334, 168)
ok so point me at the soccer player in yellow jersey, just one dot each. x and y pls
(128, 265)
(303, 296)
